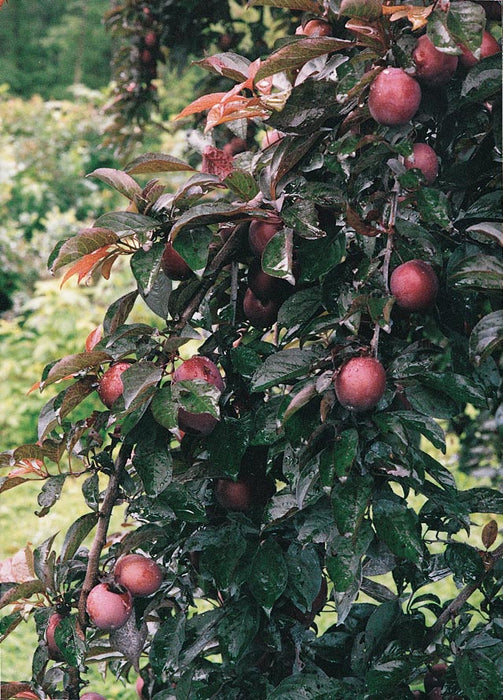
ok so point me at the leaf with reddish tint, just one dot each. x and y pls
(119, 180)
(157, 163)
(229, 64)
(360, 226)
(215, 213)
(370, 9)
(93, 338)
(73, 364)
(297, 53)
(239, 107)
(86, 241)
(84, 267)
(201, 104)
(489, 533)
(287, 155)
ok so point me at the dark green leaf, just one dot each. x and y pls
(268, 574)
(50, 493)
(118, 312)
(296, 54)
(237, 630)
(197, 396)
(282, 367)
(464, 562)
(226, 445)
(73, 364)
(350, 500)
(138, 381)
(119, 180)
(193, 245)
(164, 408)
(482, 500)
(277, 256)
(126, 223)
(433, 206)
(398, 526)
(167, 644)
(486, 337)
(76, 534)
(345, 555)
(69, 641)
(300, 307)
(477, 272)
(152, 459)
(242, 184)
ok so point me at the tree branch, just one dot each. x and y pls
(109, 500)
(455, 606)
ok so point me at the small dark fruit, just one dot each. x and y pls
(424, 158)
(110, 386)
(234, 495)
(173, 265)
(140, 575)
(433, 67)
(264, 286)
(261, 232)
(261, 314)
(108, 610)
(360, 383)
(316, 27)
(394, 97)
(414, 285)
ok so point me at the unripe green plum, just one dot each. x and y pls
(394, 97)
(360, 383)
(414, 285)
(433, 67)
(424, 158)
(108, 610)
(110, 386)
(140, 575)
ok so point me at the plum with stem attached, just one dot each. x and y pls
(108, 609)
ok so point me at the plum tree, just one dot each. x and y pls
(139, 574)
(424, 158)
(264, 448)
(173, 265)
(414, 285)
(108, 609)
(110, 386)
(394, 97)
(360, 383)
(433, 67)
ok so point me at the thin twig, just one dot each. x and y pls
(109, 500)
(455, 606)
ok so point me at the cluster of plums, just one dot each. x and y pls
(109, 604)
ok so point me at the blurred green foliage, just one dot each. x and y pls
(47, 46)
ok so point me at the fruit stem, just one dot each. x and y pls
(109, 500)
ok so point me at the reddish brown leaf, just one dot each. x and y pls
(201, 104)
(93, 338)
(84, 267)
(489, 533)
(359, 225)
